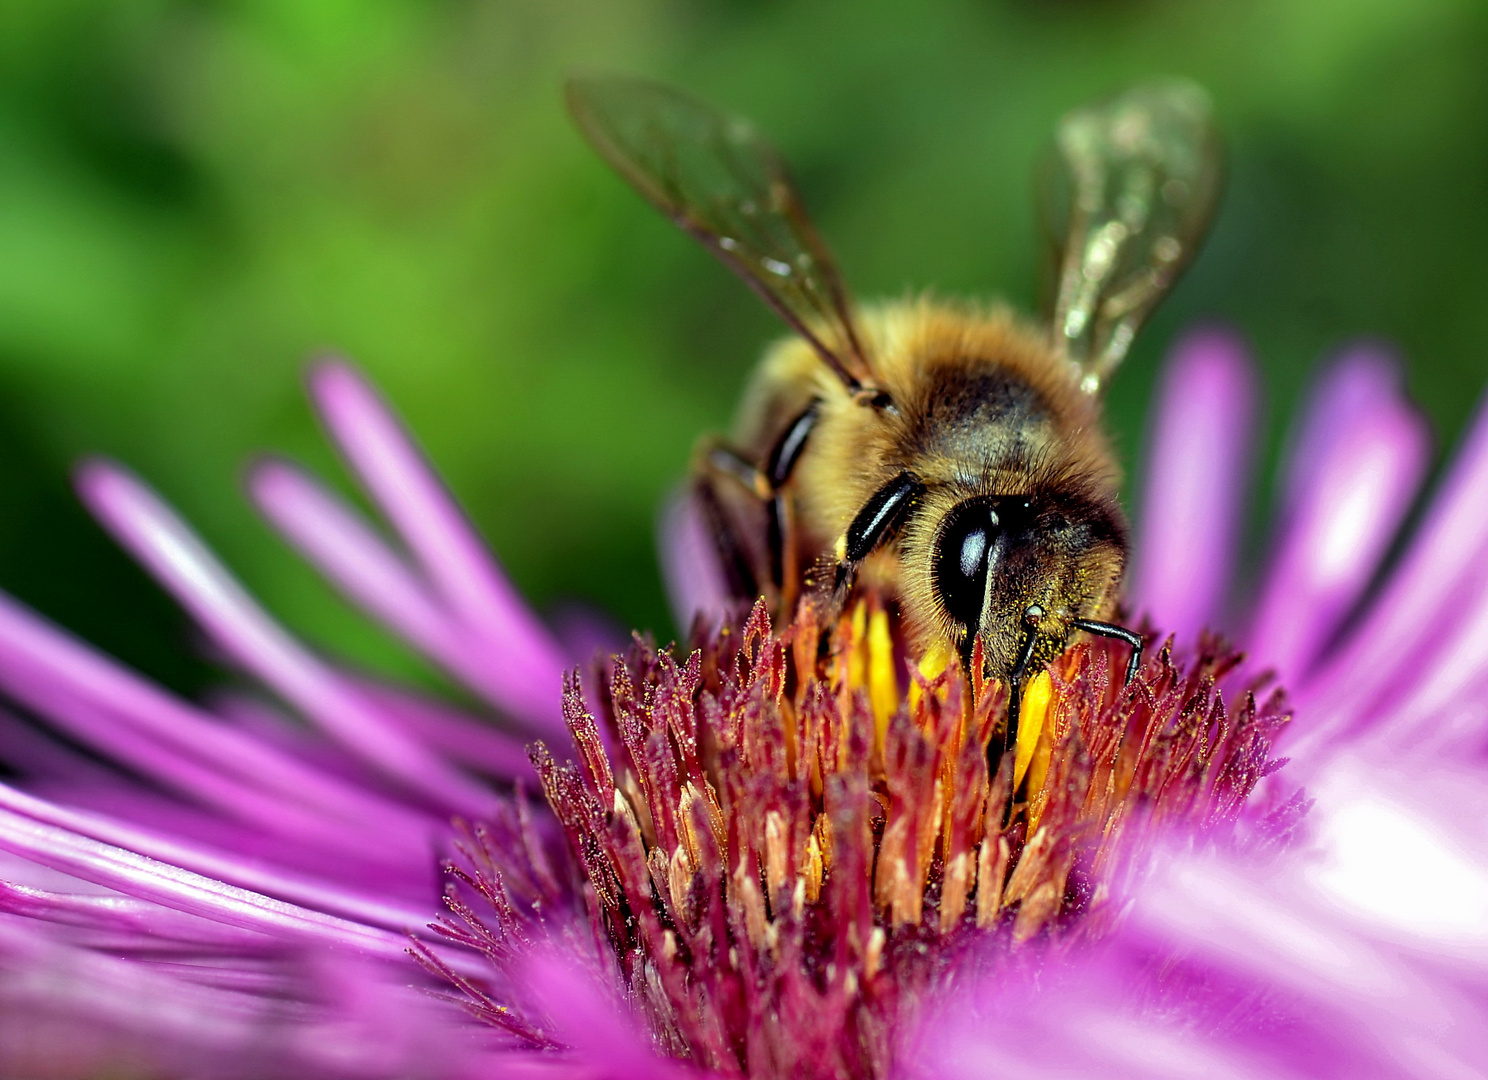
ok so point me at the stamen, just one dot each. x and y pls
(798, 831)
(1035, 710)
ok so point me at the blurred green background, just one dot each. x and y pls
(197, 195)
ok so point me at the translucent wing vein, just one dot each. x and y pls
(1135, 183)
(717, 179)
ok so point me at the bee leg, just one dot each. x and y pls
(787, 449)
(780, 520)
(1121, 633)
(719, 461)
(768, 486)
(726, 463)
(876, 522)
(740, 570)
(781, 510)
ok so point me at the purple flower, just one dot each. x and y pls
(229, 891)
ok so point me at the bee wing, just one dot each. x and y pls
(716, 178)
(1134, 185)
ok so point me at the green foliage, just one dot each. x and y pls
(197, 195)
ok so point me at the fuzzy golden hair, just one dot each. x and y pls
(983, 408)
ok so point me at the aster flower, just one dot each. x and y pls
(770, 855)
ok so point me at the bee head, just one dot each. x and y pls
(998, 557)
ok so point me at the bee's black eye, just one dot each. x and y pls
(964, 552)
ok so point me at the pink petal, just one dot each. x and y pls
(1360, 954)
(183, 565)
(1446, 683)
(1430, 608)
(586, 1017)
(110, 1009)
(1189, 526)
(179, 772)
(457, 735)
(445, 546)
(68, 1011)
(229, 868)
(1360, 457)
(40, 663)
(350, 553)
(145, 923)
(137, 875)
(695, 583)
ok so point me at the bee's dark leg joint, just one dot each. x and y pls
(721, 460)
(787, 449)
(884, 511)
(1121, 633)
(775, 537)
(876, 522)
(778, 468)
(738, 567)
(766, 483)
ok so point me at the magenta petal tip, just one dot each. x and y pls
(1191, 500)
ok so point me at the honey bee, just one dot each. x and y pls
(950, 453)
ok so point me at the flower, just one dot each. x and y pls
(221, 891)
(783, 858)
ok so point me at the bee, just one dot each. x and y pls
(951, 454)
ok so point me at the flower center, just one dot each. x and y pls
(786, 850)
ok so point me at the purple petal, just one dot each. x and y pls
(184, 566)
(174, 887)
(695, 584)
(349, 552)
(586, 1017)
(1431, 609)
(233, 869)
(406, 885)
(1442, 701)
(441, 540)
(1189, 525)
(1363, 955)
(68, 1011)
(76, 688)
(243, 800)
(146, 923)
(1360, 456)
(93, 1012)
(452, 733)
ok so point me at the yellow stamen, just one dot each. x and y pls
(936, 659)
(856, 661)
(931, 665)
(870, 664)
(883, 684)
(1031, 716)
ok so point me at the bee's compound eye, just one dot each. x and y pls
(962, 558)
